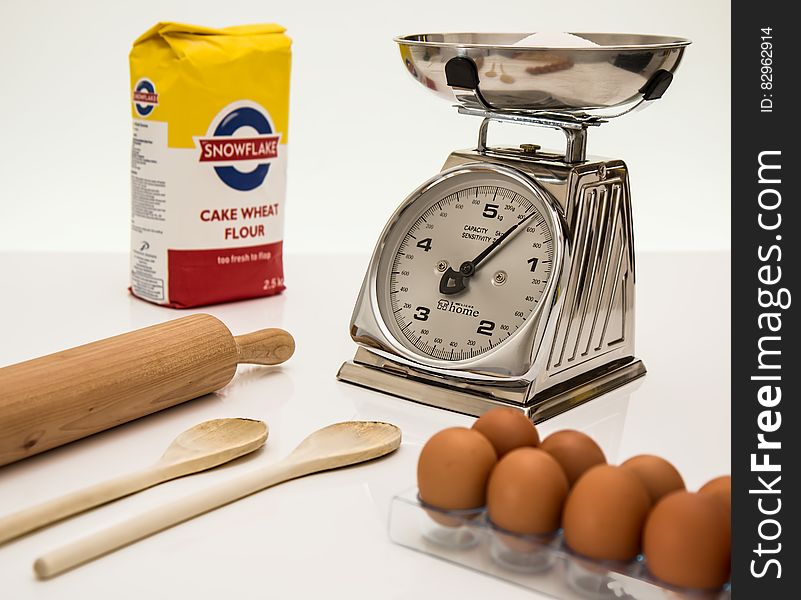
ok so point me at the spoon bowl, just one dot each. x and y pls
(215, 442)
(347, 443)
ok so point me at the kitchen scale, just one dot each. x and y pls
(507, 279)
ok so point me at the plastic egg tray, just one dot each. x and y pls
(542, 564)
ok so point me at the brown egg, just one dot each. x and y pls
(605, 513)
(720, 489)
(507, 429)
(453, 469)
(575, 451)
(720, 486)
(687, 541)
(526, 492)
(658, 475)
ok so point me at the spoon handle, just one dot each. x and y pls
(36, 517)
(146, 524)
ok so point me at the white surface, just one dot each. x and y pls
(362, 134)
(324, 536)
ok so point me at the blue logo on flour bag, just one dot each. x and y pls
(145, 98)
(241, 145)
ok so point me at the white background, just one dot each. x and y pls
(362, 132)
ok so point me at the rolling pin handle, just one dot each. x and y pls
(265, 347)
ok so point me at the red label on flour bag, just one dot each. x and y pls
(208, 166)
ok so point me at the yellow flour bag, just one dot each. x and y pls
(210, 111)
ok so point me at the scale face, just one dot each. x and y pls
(508, 278)
(449, 221)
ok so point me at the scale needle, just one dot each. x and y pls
(453, 282)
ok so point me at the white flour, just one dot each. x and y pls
(552, 39)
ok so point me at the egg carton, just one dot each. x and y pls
(540, 563)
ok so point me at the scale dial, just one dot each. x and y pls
(466, 264)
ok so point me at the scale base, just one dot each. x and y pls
(473, 398)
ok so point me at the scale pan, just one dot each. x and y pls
(574, 80)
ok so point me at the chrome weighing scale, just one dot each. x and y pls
(507, 279)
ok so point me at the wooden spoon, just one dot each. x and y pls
(202, 447)
(334, 446)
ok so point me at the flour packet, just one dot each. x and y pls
(210, 113)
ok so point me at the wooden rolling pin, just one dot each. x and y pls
(62, 397)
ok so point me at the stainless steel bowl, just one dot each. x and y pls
(527, 78)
